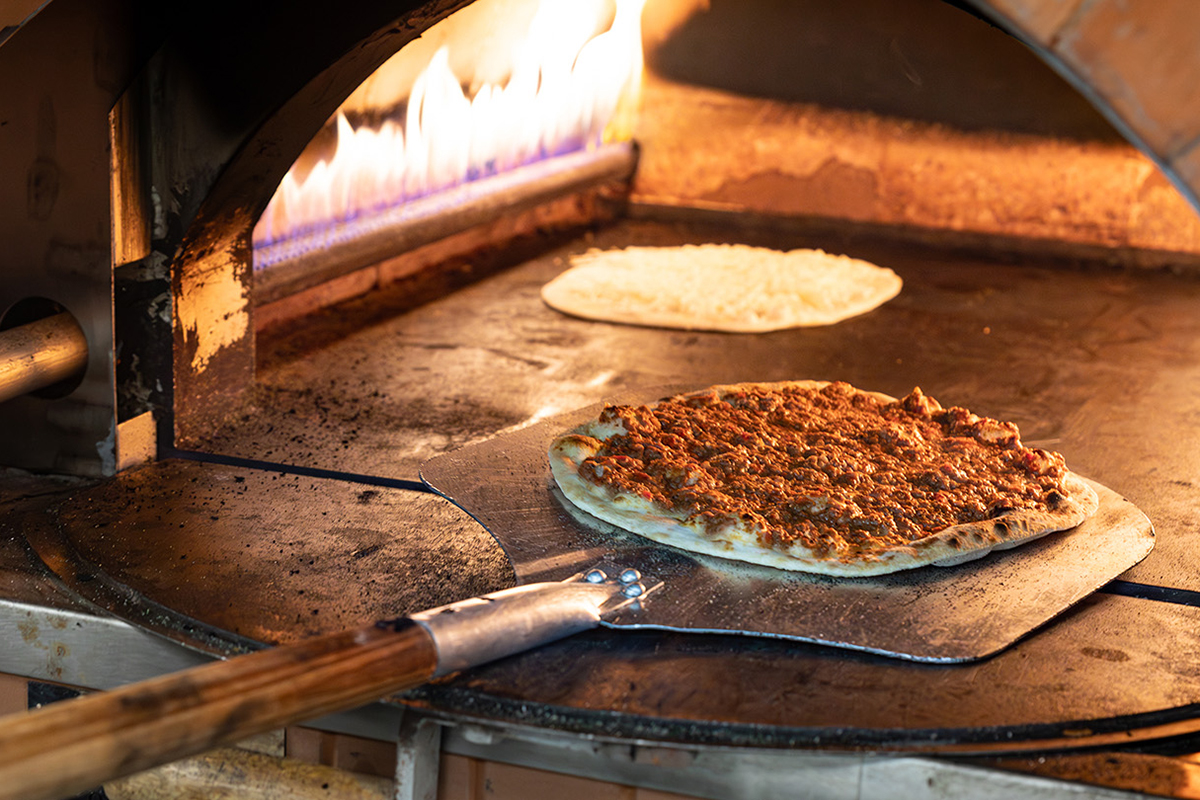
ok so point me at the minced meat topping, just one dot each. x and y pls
(829, 468)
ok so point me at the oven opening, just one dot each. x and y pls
(495, 108)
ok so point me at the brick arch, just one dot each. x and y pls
(1138, 62)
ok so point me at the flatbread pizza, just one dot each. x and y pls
(719, 287)
(817, 477)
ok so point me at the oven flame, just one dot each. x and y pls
(569, 90)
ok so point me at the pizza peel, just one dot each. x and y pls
(932, 614)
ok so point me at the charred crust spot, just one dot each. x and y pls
(1054, 499)
(581, 440)
(1000, 528)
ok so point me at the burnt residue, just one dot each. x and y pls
(337, 425)
(201, 549)
(26, 504)
(733, 691)
(1143, 773)
(142, 329)
(366, 551)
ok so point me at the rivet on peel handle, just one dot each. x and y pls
(595, 576)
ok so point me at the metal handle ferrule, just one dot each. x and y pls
(486, 628)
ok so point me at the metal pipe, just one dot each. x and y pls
(299, 263)
(40, 354)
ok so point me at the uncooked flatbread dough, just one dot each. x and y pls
(719, 287)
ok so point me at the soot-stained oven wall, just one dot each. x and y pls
(214, 178)
(914, 116)
(62, 71)
(140, 143)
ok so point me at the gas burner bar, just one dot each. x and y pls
(305, 261)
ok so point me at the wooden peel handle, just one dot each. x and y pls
(75, 745)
